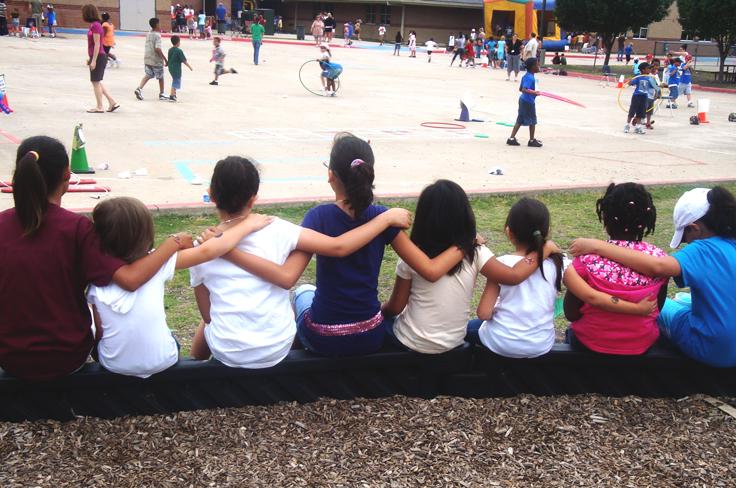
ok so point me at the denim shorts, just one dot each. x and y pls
(154, 71)
(527, 113)
(176, 83)
(685, 88)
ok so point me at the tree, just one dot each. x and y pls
(711, 19)
(609, 18)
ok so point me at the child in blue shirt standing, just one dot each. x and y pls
(675, 73)
(686, 82)
(643, 85)
(527, 109)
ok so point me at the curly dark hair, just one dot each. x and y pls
(627, 211)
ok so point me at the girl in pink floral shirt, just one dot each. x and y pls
(628, 214)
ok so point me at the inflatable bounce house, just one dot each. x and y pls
(524, 17)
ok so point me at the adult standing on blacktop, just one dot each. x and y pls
(256, 33)
(513, 55)
(220, 14)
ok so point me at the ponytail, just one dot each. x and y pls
(39, 170)
(352, 161)
(721, 217)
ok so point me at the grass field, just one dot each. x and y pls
(573, 215)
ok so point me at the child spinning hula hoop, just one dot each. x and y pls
(330, 71)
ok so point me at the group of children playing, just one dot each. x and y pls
(155, 60)
(242, 271)
(31, 29)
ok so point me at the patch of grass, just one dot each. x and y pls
(573, 215)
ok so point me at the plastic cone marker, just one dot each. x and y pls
(620, 83)
(703, 109)
(79, 153)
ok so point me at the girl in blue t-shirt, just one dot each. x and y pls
(341, 315)
(330, 71)
(705, 327)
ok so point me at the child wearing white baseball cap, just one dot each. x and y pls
(706, 220)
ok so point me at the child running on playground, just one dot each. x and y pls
(176, 59)
(431, 46)
(431, 317)
(108, 39)
(517, 319)
(154, 60)
(330, 71)
(247, 320)
(703, 326)
(624, 322)
(527, 109)
(218, 56)
(135, 338)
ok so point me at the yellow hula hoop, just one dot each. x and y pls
(655, 106)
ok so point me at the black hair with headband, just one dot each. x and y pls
(41, 166)
(627, 211)
(528, 221)
(351, 159)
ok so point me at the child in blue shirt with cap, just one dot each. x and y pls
(527, 109)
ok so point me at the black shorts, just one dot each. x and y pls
(527, 113)
(107, 49)
(638, 107)
(99, 72)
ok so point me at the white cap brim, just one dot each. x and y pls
(677, 238)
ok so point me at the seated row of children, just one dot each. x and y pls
(54, 262)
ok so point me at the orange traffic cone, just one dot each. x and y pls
(620, 83)
(703, 109)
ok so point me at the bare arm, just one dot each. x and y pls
(202, 297)
(488, 300)
(578, 287)
(282, 275)
(222, 243)
(131, 276)
(498, 272)
(162, 55)
(572, 306)
(399, 298)
(95, 52)
(346, 244)
(429, 269)
(663, 267)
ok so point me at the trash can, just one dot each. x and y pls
(299, 32)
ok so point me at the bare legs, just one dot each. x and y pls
(100, 92)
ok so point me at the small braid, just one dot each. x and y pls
(627, 211)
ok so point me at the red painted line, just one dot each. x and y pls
(10, 137)
(614, 77)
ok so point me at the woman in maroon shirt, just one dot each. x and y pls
(48, 256)
(97, 59)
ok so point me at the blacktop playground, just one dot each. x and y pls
(265, 112)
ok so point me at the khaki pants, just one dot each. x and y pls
(38, 20)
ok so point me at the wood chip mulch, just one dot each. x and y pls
(524, 441)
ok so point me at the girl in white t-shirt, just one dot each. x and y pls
(135, 338)
(519, 320)
(431, 317)
(412, 44)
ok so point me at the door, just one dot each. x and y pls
(135, 14)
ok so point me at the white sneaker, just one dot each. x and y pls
(627, 128)
(690, 105)
(639, 130)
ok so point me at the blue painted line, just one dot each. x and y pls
(185, 171)
(69, 30)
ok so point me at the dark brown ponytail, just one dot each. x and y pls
(39, 170)
(352, 161)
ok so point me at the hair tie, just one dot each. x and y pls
(35, 155)
(537, 233)
(356, 162)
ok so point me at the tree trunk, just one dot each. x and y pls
(608, 40)
(722, 54)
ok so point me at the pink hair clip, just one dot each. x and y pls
(356, 162)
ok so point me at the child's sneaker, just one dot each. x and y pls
(690, 105)
(138, 94)
(232, 70)
(214, 83)
(627, 128)
(639, 130)
(534, 143)
(511, 141)
(163, 97)
(172, 98)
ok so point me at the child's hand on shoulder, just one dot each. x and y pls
(480, 240)
(257, 221)
(581, 246)
(550, 247)
(183, 240)
(398, 217)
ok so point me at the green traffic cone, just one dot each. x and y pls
(79, 153)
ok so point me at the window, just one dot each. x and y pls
(378, 14)
(640, 33)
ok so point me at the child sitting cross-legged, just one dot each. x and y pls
(135, 338)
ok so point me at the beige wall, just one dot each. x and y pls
(69, 12)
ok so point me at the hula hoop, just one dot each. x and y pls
(655, 106)
(318, 93)
(442, 125)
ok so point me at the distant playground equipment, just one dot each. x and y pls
(525, 17)
(4, 104)
(309, 77)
